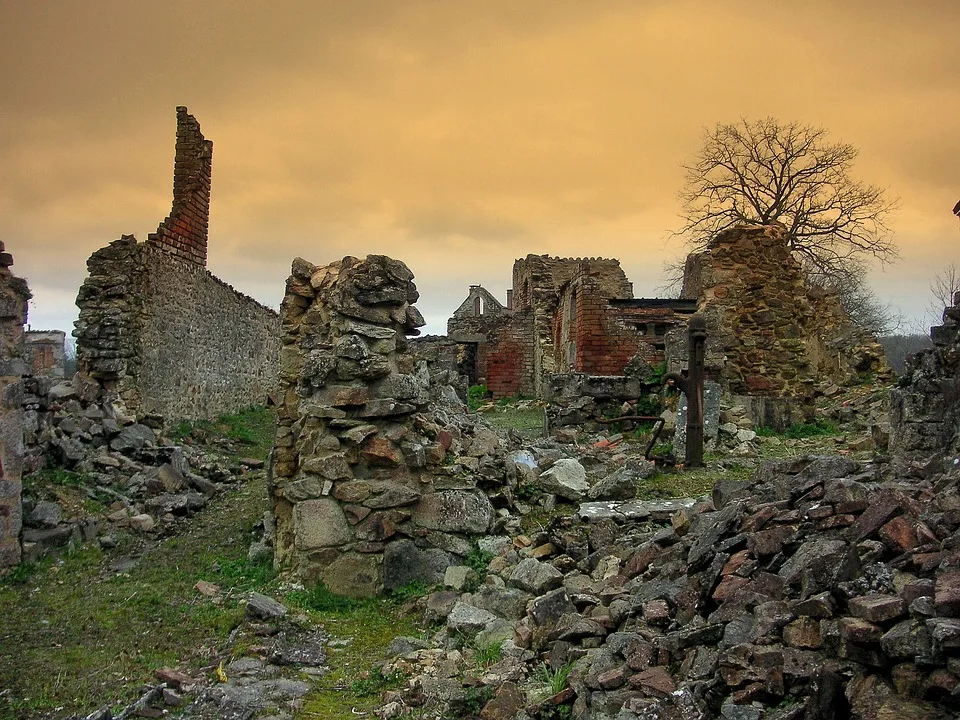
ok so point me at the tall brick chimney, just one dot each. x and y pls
(184, 232)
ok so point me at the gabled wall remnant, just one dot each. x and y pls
(45, 352)
(13, 314)
(768, 334)
(565, 315)
(184, 232)
(362, 496)
(157, 330)
(925, 408)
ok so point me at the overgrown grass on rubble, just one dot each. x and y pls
(361, 631)
(92, 625)
(252, 429)
(74, 633)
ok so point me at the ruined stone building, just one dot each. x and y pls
(160, 332)
(563, 315)
(13, 314)
(769, 335)
(45, 352)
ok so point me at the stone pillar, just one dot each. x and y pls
(13, 314)
(184, 232)
(362, 498)
(925, 408)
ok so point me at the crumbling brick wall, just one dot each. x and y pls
(13, 314)
(157, 330)
(184, 232)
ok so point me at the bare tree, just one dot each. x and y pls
(766, 171)
(944, 286)
(858, 299)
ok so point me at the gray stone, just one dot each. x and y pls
(264, 608)
(454, 511)
(619, 485)
(566, 479)
(509, 603)
(402, 645)
(404, 562)
(821, 564)
(45, 514)
(132, 438)
(535, 576)
(549, 608)
(468, 619)
(320, 523)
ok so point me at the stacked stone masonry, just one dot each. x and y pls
(769, 335)
(925, 408)
(184, 232)
(13, 314)
(363, 497)
(169, 338)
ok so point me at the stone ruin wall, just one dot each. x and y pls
(925, 408)
(45, 353)
(169, 338)
(13, 314)
(768, 334)
(363, 496)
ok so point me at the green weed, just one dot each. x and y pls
(556, 679)
(476, 396)
(486, 654)
(376, 683)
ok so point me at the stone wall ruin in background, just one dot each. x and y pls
(157, 330)
(45, 353)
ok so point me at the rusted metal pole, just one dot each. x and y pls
(691, 385)
(697, 338)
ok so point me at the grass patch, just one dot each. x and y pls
(689, 482)
(74, 634)
(486, 654)
(556, 680)
(799, 431)
(361, 631)
(253, 428)
(528, 420)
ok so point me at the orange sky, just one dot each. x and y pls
(454, 135)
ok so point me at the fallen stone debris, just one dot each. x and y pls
(815, 591)
(145, 482)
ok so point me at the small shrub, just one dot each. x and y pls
(476, 394)
(486, 654)
(376, 683)
(818, 428)
(321, 599)
(557, 679)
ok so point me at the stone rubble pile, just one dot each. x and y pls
(268, 683)
(143, 479)
(815, 591)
